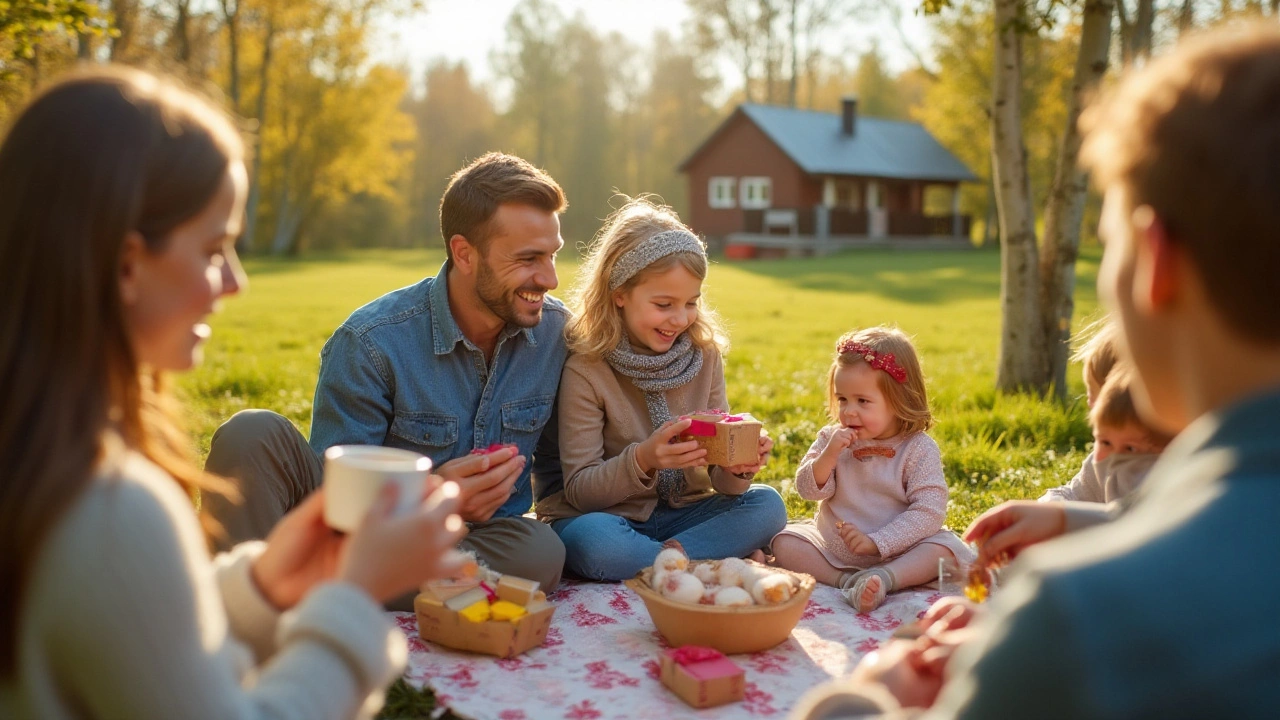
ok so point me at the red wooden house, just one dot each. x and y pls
(803, 182)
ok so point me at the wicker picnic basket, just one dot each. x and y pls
(730, 630)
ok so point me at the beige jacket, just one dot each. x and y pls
(602, 419)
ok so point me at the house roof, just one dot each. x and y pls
(878, 148)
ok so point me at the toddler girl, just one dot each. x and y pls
(645, 352)
(877, 475)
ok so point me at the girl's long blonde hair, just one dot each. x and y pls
(908, 399)
(95, 157)
(597, 327)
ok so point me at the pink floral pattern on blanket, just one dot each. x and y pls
(600, 661)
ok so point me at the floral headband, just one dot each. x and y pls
(877, 360)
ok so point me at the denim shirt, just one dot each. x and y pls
(400, 373)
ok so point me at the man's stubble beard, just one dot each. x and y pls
(500, 300)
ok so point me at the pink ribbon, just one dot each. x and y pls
(707, 428)
(691, 654)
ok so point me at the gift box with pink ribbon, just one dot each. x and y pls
(702, 676)
(728, 439)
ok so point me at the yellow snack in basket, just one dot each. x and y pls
(503, 610)
(476, 612)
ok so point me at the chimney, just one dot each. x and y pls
(848, 115)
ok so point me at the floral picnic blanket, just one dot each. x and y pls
(600, 660)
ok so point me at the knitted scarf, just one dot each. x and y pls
(654, 375)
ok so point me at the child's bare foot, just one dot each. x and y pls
(872, 594)
(758, 556)
(865, 591)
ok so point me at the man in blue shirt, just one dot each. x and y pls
(465, 360)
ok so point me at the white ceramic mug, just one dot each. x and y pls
(355, 474)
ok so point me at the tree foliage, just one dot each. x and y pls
(348, 152)
(38, 37)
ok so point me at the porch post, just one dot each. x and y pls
(955, 210)
(829, 192)
(876, 220)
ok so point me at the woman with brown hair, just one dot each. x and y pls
(121, 196)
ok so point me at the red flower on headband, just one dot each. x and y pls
(877, 360)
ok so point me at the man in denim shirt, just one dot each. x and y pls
(464, 360)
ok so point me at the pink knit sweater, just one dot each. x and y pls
(897, 501)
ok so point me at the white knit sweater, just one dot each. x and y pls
(127, 616)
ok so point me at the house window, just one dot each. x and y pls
(755, 193)
(720, 193)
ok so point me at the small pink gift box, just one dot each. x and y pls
(701, 676)
(728, 439)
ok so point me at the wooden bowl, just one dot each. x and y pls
(730, 630)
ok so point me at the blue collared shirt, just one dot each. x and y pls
(400, 373)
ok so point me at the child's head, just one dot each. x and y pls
(1185, 151)
(1097, 354)
(642, 279)
(875, 384)
(1117, 429)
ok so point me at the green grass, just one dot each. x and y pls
(783, 317)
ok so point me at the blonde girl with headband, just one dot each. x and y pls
(877, 477)
(647, 351)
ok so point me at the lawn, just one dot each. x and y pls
(784, 317)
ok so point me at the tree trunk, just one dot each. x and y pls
(255, 189)
(37, 69)
(1187, 17)
(288, 219)
(1065, 210)
(123, 12)
(231, 15)
(768, 70)
(1126, 34)
(182, 31)
(989, 231)
(1143, 21)
(791, 86)
(1023, 357)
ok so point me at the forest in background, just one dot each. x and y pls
(353, 153)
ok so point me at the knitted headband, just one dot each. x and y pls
(650, 251)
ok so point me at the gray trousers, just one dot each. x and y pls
(274, 469)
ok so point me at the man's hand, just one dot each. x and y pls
(485, 481)
(911, 670)
(856, 540)
(948, 614)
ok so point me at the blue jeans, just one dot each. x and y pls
(603, 546)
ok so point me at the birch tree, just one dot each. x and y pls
(1023, 362)
(1064, 212)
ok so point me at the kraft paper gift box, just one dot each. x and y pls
(728, 439)
(441, 621)
(702, 677)
(444, 589)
